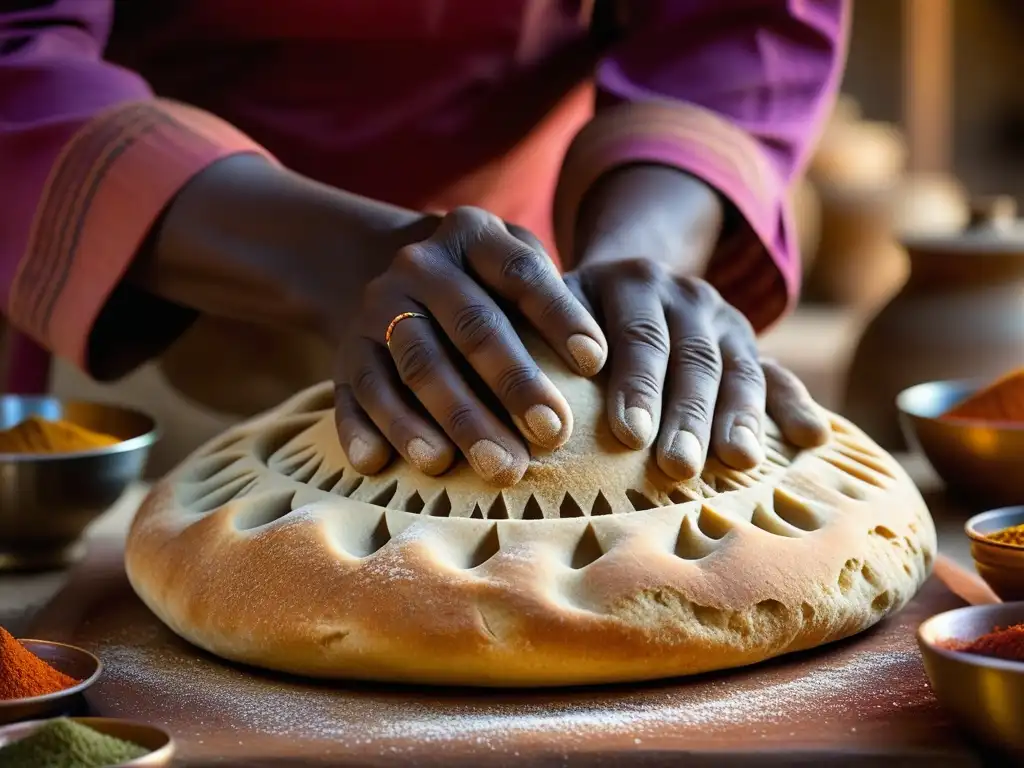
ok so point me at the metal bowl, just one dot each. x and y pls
(156, 740)
(47, 500)
(979, 459)
(77, 663)
(985, 695)
(1000, 565)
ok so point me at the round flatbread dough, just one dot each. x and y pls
(266, 547)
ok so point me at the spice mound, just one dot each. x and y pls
(24, 675)
(1014, 536)
(1001, 643)
(63, 743)
(37, 435)
(1002, 401)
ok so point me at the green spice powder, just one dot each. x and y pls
(63, 743)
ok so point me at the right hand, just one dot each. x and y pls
(413, 394)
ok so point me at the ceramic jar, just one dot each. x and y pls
(960, 314)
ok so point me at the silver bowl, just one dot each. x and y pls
(48, 500)
(982, 460)
(985, 695)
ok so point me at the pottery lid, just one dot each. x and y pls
(993, 227)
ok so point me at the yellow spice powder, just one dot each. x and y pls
(37, 435)
(1013, 536)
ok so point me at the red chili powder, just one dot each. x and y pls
(1001, 643)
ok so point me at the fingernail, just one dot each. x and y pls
(744, 440)
(360, 453)
(493, 463)
(543, 425)
(685, 450)
(425, 457)
(639, 423)
(587, 353)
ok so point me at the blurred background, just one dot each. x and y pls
(929, 129)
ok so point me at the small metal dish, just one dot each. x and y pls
(48, 500)
(77, 663)
(975, 458)
(1000, 565)
(157, 740)
(986, 695)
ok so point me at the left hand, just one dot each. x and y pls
(684, 365)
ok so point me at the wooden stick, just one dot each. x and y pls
(928, 83)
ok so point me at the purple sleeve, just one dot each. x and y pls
(89, 158)
(733, 92)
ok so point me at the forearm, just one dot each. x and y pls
(650, 211)
(250, 241)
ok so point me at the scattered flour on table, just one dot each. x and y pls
(228, 696)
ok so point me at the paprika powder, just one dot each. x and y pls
(24, 675)
(1002, 401)
(1001, 643)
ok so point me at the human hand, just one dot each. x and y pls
(437, 300)
(685, 370)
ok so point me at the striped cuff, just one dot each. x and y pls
(752, 267)
(104, 193)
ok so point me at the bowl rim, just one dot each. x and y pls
(145, 440)
(163, 752)
(980, 538)
(969, 386)
(974, 659)
(80, 687)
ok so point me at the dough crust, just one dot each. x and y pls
(266, 547)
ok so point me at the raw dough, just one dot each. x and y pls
(266, 547)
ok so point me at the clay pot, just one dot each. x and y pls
(959, 315)
(860, 154)
(858, 263)
(807, 218)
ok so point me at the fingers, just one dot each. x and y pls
(635, 319)
(377, 407)
(522, 273)
(423, 365)
(367, 451)
(791, 407)
(695, 370)
(738, 432)
(483, 335)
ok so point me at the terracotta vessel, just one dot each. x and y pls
(807, 218)
(858, 263)
(959, 315)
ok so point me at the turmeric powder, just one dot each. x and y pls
(37, 435)
(1002, 401)
(1014, 536)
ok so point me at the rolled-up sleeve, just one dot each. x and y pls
(89, 159)
(735, 93)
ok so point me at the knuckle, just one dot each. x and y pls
(646, 332)
(460, 417)
(693, 412)
(699, 355)
(642, 270)
(416, 362)
(515, 379)
(523, 267)
(562, 305)
(644, 384)
(476, 326)
(365, 383)
(415, 258)
(746, 369)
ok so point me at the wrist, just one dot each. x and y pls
(652, 211)
(255, 242)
